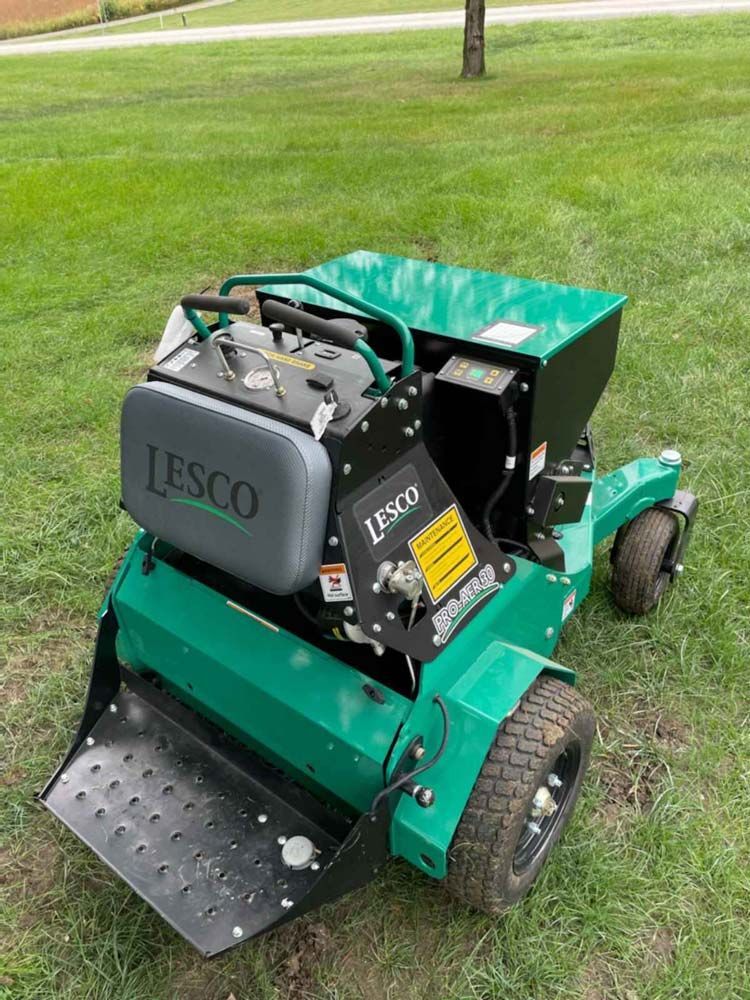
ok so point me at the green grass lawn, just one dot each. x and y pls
(261, 11)
(608, 155)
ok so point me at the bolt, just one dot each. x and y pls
(333, 540)
(544, 364)
(377, 628)
(315, 866)
(348, 611)
(530, 511)
(286, 903)
(425, 797)
(539, 535)
(670, 457)
(417, 753)
(417, 424)
(384, 401)
(376, 588)
(549, 632)
(409, 432)
(560, 502)
(507, 567)
(281, 839)
(565, 581)
(113, 708)
(551, 578)
(524, 386)
(390, 615)
(236, 932)
(402, 404)
(553, 781)
(587, 467)
(679, 568)
(262, 818)
(365, 426)
(436, 640)
(412, 391)
(534, 827)
(90, 741)
(347, 469)
(65, 778)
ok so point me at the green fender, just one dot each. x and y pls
(478, 700)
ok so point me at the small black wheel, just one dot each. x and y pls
(642, 560)
(524, 795)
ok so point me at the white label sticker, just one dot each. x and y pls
(334, 582)
(505, 332)
(538, 460)
(176, 332)
(568, 604)
(321, 418)
(178, 362)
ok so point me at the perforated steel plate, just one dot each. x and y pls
(192, 833)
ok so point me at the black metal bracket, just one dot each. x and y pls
(684, 505)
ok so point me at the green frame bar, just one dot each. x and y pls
(403, 331)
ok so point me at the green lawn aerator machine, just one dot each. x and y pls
(363, 525)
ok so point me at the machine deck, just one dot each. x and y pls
(197, 837)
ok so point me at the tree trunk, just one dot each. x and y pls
(474, 39)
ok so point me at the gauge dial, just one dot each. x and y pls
(259, 378)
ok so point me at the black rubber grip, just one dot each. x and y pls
(216, 303)
(329, 330)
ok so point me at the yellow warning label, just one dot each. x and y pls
(443, 552)
(284, 359)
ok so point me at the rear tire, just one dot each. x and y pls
(639, 580)
(495, 857)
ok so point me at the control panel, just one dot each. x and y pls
(485, 376)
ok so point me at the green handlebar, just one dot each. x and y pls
(407, 344)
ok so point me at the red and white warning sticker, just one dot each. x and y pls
(334, 582)
(568, 604)
(538, 460)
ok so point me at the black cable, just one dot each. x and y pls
(409, 776)
(511, 451)
(304, 611)
(510, 544)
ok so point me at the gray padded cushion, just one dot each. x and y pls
(238, 490)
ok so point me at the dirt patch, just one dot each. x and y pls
(597, 981)
(31, 874)
(37, 654)
(426, 248)
(659, 949)
(628, 784)
(306, 943)
(632, 770)
(664, 730)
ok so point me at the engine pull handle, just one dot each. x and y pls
(329, 330)
(332, 331)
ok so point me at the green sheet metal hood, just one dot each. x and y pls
(457, 302)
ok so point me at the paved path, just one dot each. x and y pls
(589, 10)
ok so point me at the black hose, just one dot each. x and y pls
(511, 450)
(410, 775)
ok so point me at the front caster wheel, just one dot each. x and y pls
(642, 560)
(523, 797)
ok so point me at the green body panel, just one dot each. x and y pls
(488, 666)
(622, 495)
(457, 302)
(302, 708)
(299, 707)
